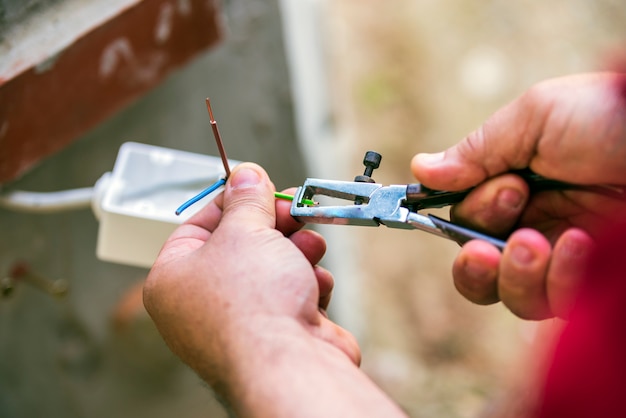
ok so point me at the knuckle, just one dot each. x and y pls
(149, 293)
(474, 148)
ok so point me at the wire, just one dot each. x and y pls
(218, 138)
(47, 202)
(201, 195)
(221, 182)
(220, 147)
(285, 196)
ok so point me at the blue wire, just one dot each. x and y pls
(201, 195)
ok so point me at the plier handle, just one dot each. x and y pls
(397, 206)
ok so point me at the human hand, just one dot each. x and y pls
(571, 129)
(238, 284)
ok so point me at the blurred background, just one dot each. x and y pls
(417, 76)
(303, 88)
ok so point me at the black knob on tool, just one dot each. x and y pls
(371, 161)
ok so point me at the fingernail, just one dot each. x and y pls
(509, 198)
(522, 255)
(430, 159)
(576, 249)
(244, 178)
(477, 271)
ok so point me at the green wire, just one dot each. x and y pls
(307, 202)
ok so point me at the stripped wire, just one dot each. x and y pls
(307, 202)
(218, 138)
(220, 148)
(222, 181)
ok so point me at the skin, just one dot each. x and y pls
(571, 129)
(237, 294)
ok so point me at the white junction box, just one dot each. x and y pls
(136, 203)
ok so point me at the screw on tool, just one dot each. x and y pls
(371, 161)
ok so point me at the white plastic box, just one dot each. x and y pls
(135, 204)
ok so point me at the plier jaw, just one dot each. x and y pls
(363, 204)
(372, 204)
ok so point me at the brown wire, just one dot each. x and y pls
(218, 138)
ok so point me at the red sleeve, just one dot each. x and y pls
(587, 376)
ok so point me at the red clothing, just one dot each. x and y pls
(587, 377)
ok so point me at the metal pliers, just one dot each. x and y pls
(372, 204)
(366, 203)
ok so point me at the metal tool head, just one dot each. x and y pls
(364, 204)
(377, 204)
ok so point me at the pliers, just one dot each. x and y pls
(372, 204)
(396, 206)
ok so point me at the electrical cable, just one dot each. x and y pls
(47, 202)
(201, 195)
(221, 182)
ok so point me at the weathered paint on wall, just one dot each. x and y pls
(71, 68)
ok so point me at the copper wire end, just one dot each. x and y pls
(218, 138)
(208, 106)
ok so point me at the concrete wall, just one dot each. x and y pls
(11, 11)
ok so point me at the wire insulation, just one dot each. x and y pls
(47, 202)
(201, 195)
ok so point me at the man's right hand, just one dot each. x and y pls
(571, 129)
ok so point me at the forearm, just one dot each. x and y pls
(295, 374)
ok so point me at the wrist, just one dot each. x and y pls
(284, 370)
(257, 352)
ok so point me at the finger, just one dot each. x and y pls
(340, 338)
(325, 282)
(192, 234)
(505, 141)
(475, 272)
(582, 104)
(566, 270)
(249, 198)
(209, 216)
(311, 244)
(559, 113)
(494, 206)
(286, 223)
(522, 275)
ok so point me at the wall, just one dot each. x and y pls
(94, 352)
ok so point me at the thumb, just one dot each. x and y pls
(249, 197)
(506, 141)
